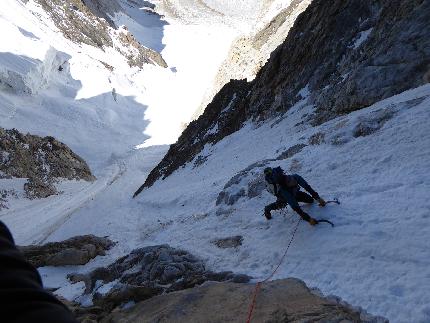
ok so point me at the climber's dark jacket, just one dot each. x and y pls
(22, 297)
(287, 190)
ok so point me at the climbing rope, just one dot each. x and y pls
(258, 285)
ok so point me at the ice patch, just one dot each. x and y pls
(71, 291)
(304, 92)
(230, 104)
(361, 38)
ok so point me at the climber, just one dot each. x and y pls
(287, 190)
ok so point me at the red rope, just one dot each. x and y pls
(258, 285)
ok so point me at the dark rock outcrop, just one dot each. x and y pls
(224, 113)
(346, 54)
(163, 284)
(230, 242)
(74, 251)
(144, 55)
(367, 126)
(290, 152)
(147, 272)
(69, 16)
(263, 36)
(41, 160)
(4, 194)
(104, 9)
(37, 188)
(287, 300)
(88, 22)
(350, 54)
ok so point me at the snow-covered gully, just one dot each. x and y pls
(121, 120)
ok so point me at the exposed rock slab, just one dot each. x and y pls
(145, 273)
(74, 251)
(89, 22)
(287, 300)
(40, 159)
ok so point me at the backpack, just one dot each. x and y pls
(278, 180)
(275, 182)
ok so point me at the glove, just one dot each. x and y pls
(322, 202)
(312, 221)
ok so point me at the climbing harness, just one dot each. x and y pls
(258, 285)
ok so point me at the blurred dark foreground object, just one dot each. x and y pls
(22, 296)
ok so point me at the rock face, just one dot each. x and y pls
(104, 9)
(223, 114)
(163, 284)
(41, 160)
(287, 300)
(74, 251)
(350, 55)
(249, 53)
(4, 194)
(89, 22)
(147, 272)
(339, 56)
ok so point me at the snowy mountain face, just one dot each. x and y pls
(250, 52)
(341, 65)
(93, 75)
(343, 101)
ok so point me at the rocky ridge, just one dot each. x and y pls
(145, 273)
(89, 22)
(338, 58)
(249, 53)
(151, 283)
(286, 300)
(71, 252)
(43, 161)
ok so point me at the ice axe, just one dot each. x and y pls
(335, 200)
(326, 221)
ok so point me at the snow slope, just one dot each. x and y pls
(94, 102)
(101, 113)
(368, 258)
(375, 257)
(83, 104)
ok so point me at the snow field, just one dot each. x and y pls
(194, 53)
(375, 257)
(95, 110)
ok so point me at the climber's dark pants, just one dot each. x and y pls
(280, 204)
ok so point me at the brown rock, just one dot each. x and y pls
(74, 251)
(43, 160)
(287, 300)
